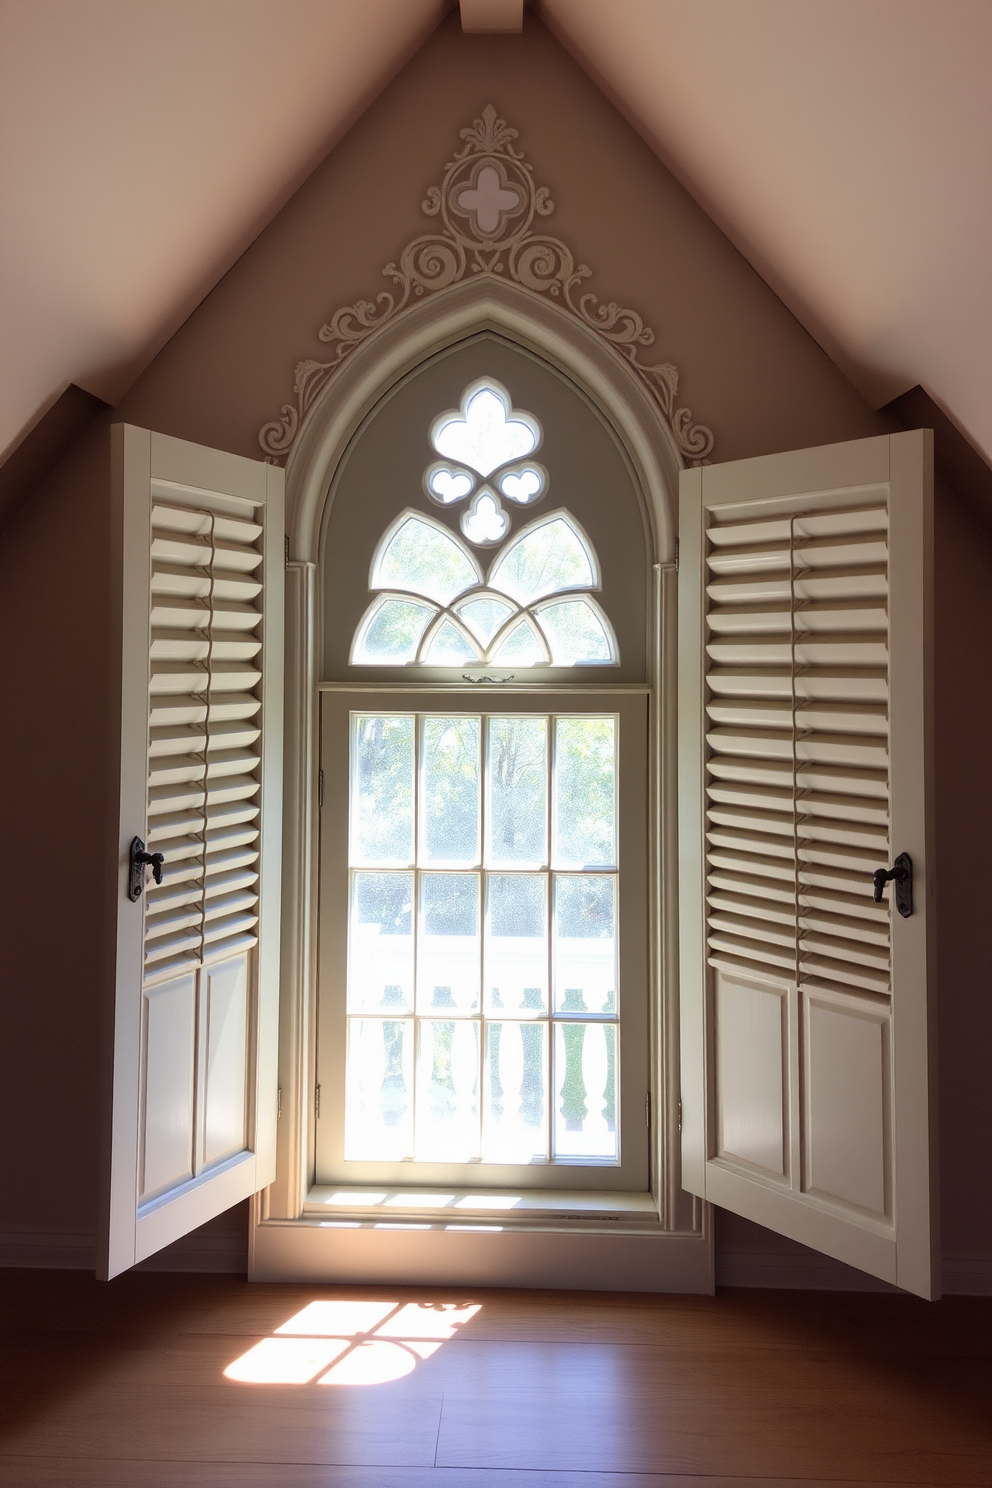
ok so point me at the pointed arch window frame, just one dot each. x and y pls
(282, 1233)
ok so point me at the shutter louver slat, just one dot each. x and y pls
(796, 648)
(204, 716)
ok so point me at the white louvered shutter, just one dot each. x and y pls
(807, 1064)
(197, 989)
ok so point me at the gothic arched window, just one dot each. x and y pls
(485, 776)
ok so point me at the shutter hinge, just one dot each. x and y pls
(286, 539)
(316, 1103)
(279, 1104)
(676, 554)
(647, 1110)
(680, 1115)
(320, 787)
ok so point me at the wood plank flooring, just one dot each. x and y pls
(108, 1386)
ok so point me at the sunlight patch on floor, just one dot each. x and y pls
(351, 1343)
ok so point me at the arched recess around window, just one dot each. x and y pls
(534, 323)
(481, 306)
(401, 500)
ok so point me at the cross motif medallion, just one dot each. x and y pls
(488, 199)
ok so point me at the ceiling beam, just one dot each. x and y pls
(489, 17)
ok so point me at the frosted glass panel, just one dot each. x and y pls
(585, 793)
(515, 1083)
(585, 1122)
(379, 1090)
(484, 435)
(391, 632)
(448, 961)
(485, 521)
(576, 633)
(449, 647)
(518, 769)
(542, 560)
(448, 1090)
(523, 485)
(451, 788)
(585, 951)
(521, 647)
(516, 950)
(448, 485)
(380, 942)
(382, 801)
(427, 559)
(484, 616)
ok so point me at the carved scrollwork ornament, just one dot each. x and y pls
(487, 206)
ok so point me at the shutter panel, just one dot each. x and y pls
(197, 996)
(803, 665)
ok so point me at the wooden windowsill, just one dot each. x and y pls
(461, 1208)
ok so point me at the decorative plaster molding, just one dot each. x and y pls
(488, 205)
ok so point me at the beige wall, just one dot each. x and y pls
(748, 370)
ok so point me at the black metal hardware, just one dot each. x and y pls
(138, 861)
(902, 874)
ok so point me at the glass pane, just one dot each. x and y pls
(523, 485)
(521, 647)
(450, 647)
(542, 560)
(393, 633)
(379, 1090)
(484, 616)
(451, 792)
(515, 1082)
(448, 485)
(517, 833)
(576, 634)
(448, 1091)
(448, 954)
(380, 943)
(382, 793)
(485, 521)
(585, 793)
(585, 960)
(585, 1090)
(485, 436)
(426, 558)
(516, 964)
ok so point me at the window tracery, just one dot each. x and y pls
(534, 606)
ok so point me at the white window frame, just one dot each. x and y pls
(624, 702)
(676, 1252)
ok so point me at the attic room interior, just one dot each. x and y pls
(525, 969)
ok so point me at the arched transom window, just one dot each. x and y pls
(502, 593)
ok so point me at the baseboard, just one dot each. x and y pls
(967, 1274)
(47, 1250)
(962, 1275)
(804, 1273)
(75, 1250)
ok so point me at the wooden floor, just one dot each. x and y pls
(124, 1384)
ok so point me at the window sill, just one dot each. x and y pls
(462, 1209)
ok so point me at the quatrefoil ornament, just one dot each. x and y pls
(485, 439)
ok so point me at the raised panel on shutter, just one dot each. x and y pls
(803, 742)
(202, 571)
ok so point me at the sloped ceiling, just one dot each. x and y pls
(844, 145)
(143, 145)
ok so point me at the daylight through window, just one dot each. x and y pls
(482, 965)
